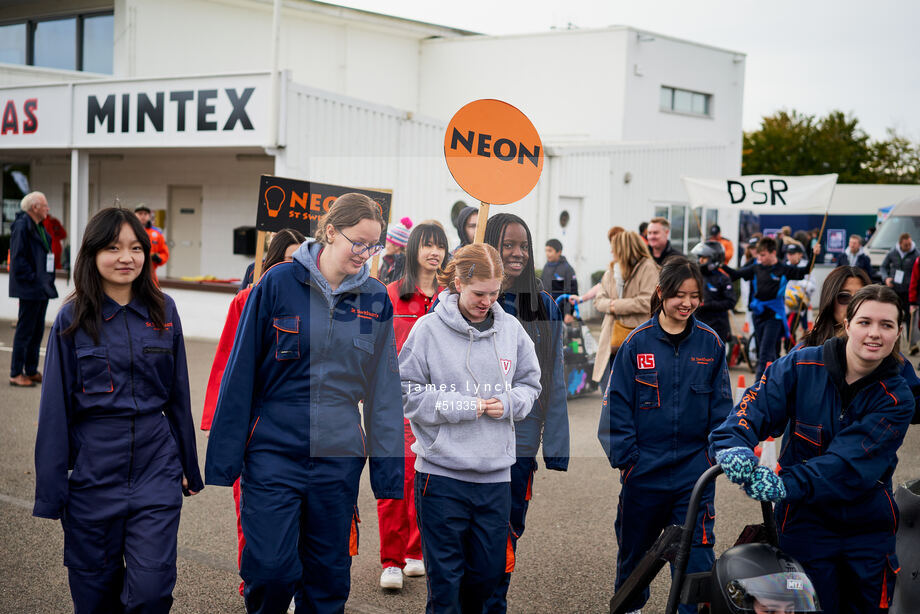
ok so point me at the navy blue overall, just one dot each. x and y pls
(547, 422)
(839, 517)
(288, 421)
(660, 405)
(116, 416)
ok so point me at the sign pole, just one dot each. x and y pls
(481, 222)
(260, 252)
(814, 257)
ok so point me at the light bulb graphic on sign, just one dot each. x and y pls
(274, 198)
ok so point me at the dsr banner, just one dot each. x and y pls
(763, 193)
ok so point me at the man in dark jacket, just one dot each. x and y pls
(659, 244)
(558, 276)
(897, 267)
(32, 282)
(856, 256)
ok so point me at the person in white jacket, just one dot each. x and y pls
(469, 372)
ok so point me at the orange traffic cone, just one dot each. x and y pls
(746, 329)
(739, 390)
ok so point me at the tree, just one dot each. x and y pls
(895, 160)
(789, 143)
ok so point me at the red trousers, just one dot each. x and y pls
(240, 540)
(399, 535)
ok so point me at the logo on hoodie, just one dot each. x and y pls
(506, 365)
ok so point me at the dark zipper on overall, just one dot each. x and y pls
(124, 312)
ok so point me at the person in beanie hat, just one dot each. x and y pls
(465, 224)
(394, 257)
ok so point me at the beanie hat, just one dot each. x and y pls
(398, 234)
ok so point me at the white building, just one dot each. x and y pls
(175, 108)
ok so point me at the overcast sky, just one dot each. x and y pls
(813, 56)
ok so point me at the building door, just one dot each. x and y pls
(183, 219)
(567, 229)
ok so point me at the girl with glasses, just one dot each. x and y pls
(281, 249)
(315, 339)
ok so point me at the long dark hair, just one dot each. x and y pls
(282, 240)
(675, 271)
(531, 311)
(420, 236)
(88, 296)
(825, 325)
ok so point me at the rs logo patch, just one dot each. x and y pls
(646, 361)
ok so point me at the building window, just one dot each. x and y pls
(74, 42)
(98, 42)
(55, 44)
(684, 101)
(13, 43)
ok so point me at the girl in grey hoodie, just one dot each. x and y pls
(469, 372)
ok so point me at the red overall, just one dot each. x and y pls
(399, 535)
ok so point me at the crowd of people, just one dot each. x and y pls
(445, 375)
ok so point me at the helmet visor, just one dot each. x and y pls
(778, 593)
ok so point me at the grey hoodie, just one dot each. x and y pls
(306, 255)
(445, 364)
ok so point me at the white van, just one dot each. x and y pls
(905, 217)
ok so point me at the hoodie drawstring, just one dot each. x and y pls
(504, 381)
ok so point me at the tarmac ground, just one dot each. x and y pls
(565, 560)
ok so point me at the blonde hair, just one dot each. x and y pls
(475, 261)
(346, 211)
(629, 249)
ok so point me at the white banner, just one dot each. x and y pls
(773, 194)
(220, 111)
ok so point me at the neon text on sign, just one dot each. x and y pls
(503, 149)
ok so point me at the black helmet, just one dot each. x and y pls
(712, 250)
(749, 577)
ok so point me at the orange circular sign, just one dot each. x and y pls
(493, 151)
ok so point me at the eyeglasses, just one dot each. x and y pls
(844, 298)
(359, 249)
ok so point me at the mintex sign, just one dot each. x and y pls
(189, 112)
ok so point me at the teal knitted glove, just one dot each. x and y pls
(737, 463)
(764, 485)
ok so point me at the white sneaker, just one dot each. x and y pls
(391, 578)
(414, 568)
(634, 612)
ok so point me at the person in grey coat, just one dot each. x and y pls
(897, 267)
(469, 371)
